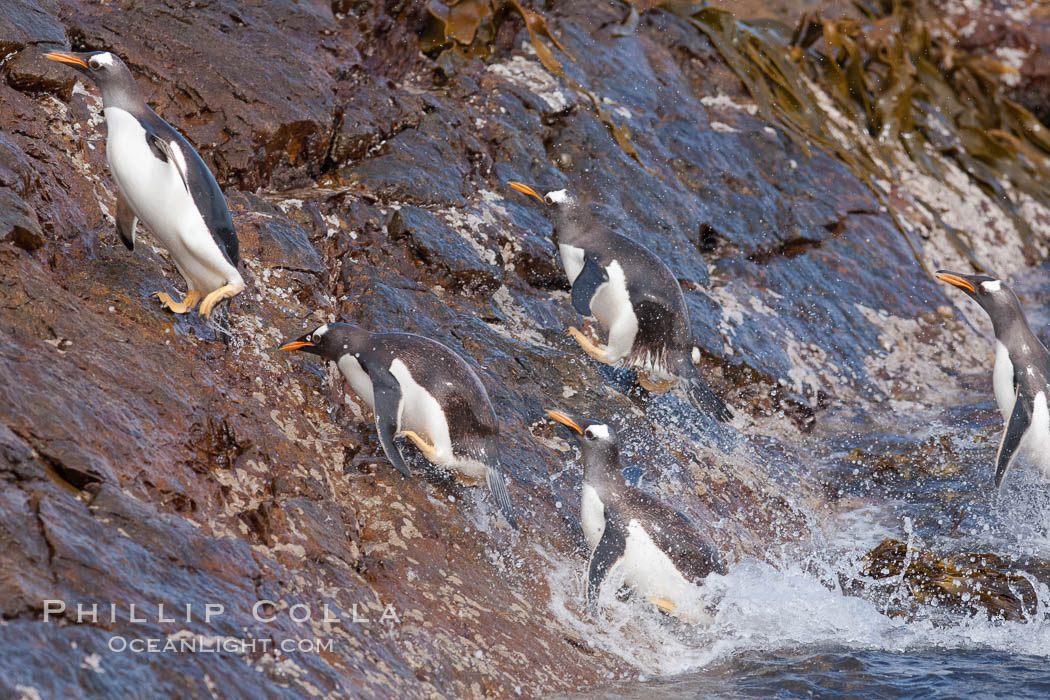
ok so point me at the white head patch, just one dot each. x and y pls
(321, 330)
(105, 59)
(599, 431)
(991, 285)
(558, 197)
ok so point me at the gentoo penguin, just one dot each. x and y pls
(663, 558)
(1020, 377)
(162, 182)
(419, 389)
(635, 296)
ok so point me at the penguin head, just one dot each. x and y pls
(559, 199)
(105, 69)
(997, 299)
(572, 222)
(597, 441)
(330, 340)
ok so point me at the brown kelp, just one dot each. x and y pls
(904, 576)
(900, 77)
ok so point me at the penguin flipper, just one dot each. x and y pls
(606, 555)
(586, 284)
(1020, 419)
(700, 395)
(387, 393)
(165, 152)
(486, 451)
(126, 222)
(498, 487)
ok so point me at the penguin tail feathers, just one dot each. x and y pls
(702, 396)
(498, 487)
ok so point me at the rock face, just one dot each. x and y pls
(154, 460)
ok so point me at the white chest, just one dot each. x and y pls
(650, 572)
(571, 260)
(611, 302)
(1003, 380)
(611, 305)
(154, 188)
(592, 516)
(421, 413)
(1037, 440)
(358, 378)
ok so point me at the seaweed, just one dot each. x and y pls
(902, 578)
(900, 77)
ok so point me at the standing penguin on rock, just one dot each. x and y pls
(419, 389)
(662, 557)
(635, 296)
(162, 182)
(1020, 377)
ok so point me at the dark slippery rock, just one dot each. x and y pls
(144, 461)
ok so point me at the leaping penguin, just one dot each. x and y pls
(1020, 377)
(635, 296)
(663, 558)
(419, 389)
(162, 182)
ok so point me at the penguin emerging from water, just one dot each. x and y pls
(1020, 377)
(635, 296)
(162, 182)
(419, 389)
(662, 557)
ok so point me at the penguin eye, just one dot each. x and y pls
(589, 434)
(94, 63)
(548, 199)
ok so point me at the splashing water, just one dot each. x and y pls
(794, 618)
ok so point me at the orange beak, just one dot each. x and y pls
(565, 420)
(295, 345)
(956, 281)
(525, 189)
(66, 58)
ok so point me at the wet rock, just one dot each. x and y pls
(372, 115)
(935, 457)
(143, 461)
(26, 22)
(268, 237)
(440, 248)
(1018, 40)
(30, 71)
(422, 165)
(18, 224)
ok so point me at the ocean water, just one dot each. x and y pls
(849, 673)
(791, 626)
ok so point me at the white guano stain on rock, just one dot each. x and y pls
(535, 78)
(911, 369)
(723, 101)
